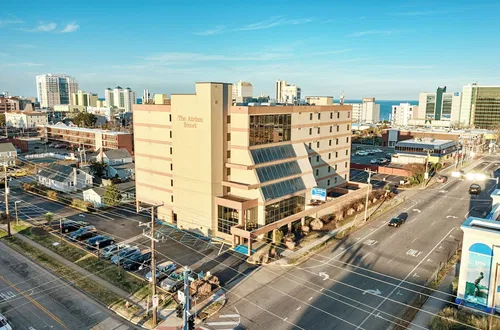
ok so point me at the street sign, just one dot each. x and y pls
(155, 301)
(318, 194)
(180, 295)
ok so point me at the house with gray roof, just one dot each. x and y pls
(64, 178)
(96, 195)
(119, 163)
(8, 154)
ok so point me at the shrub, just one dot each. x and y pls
(51, 194)
(79, 204)
(279, 236)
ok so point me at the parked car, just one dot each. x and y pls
(362, 153)
(396, 222)
(382, 161)
(388, 155)
(68, 226)
(124, 254)
(82, 233)
(174, 282)
(377, 150)
(100, 241)
(4, 324)
(373, 161)
(370, 152)
(112, 249)
(474, 189)
(137, 261)
(162, 271)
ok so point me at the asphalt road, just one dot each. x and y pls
(367, 280)
(32, 298)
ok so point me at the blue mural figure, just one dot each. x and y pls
(476, 284)
(478, 274)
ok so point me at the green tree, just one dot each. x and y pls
(112, 195)
(98, 169)
(84, 119)
(2, 119)
(49, 217)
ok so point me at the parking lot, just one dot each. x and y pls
(371, 155)
(378, 180)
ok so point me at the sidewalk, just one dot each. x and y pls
(436, 302)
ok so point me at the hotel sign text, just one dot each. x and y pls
(190, 122)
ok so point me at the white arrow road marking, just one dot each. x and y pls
(370, 242)
(7, 295)
(443, 191)
(399, 293)
(324, 276)
(451, 216)
(416, 210)
(377, 292)
(415, 275)
(429, 260)
(413, 253)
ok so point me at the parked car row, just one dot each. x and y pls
(175, 281)
(381, 161)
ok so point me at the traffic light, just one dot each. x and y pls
(179, 310)
(191, 322)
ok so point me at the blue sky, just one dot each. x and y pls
(385, 49)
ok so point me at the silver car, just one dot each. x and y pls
(173, 282)
(124, 254)
(111, 250)
(4, 324)
(162, 270)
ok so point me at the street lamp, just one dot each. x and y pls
(15, 207)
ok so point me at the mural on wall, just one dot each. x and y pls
(478, 274)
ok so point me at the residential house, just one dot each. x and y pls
(96, 195)
(119, 163)
(8, 154)
(64, 178)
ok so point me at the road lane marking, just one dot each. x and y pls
(310, 298)
(298, 308)
(414, 239)
(366, 255)
(34, 302)
(391, 260)
(413, 253)
(406, 277)
(370, 242)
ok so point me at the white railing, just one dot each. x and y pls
(50, 155)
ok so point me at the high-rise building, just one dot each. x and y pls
(289, 94)
(402, 113)
(84, 99)
(438, 105)
(120, 98)
(239, 171)
(53, 89)
(480, 106)
(242, 91)
(146, 97)
(366, 112)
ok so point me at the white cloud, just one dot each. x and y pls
(272, 22)
(42, 27)
(26, 64)
(11, 20)
(370, 32)
(71, 27)
(218, 29)
(328, 21)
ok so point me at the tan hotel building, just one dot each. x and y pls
(211, 166)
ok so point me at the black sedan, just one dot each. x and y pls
(99, 242)
(136, 261)
(474, 189)
(68, 226)
(82, 233)
(396, 222)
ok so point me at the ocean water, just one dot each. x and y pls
(385, 106)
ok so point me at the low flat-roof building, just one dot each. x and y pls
(419, 151)
(237, 172)
(25, 119)
(91, 138)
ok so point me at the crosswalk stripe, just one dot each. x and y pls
(222, 323)
(230, 315)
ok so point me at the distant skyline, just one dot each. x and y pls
(364, 48)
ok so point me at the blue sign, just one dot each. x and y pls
(318, 194)
(457, 94)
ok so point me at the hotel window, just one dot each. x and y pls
(310, 131)
(226, 218)
(338, 128)
(170, 150)
(317, 172)
(317, 144)
(338, 115)
(345, 164)
(329, 169)
(172, 198)
(170, 134)
(310, 116)
(310, 160)
(171, 183)
(328, 183)
(319, 116)
(171, 167)
(347, 152)
(170, 117)
(229, 136)
(331, 129)
(319, 130)
(329, 155)
(345, 176)
(336, 154)
(278, 171)
(348, 114)
(283, 188)
(335, 180)
(330, 143)
(347, 139)
(347, 126)
(228, 171)
(331, 115)
(270, 129)
(317, 158)
(228, 154)
(337, 141)
(284, 208)
(229, 119)
(310, 145)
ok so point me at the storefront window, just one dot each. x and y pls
(284, 208)
(270, 129)
(226, 218)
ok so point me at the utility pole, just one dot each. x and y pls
(490, 326)
(6, 197)
(368, 192)
(425, 170)
(15, 207)
(187, 298)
